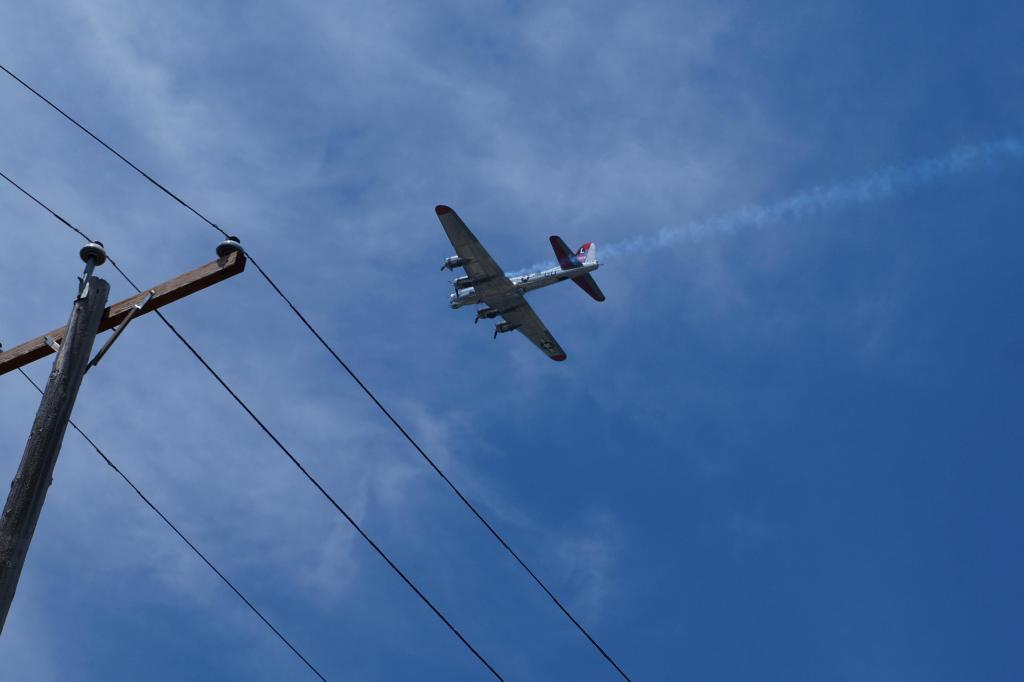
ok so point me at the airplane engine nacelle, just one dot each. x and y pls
(453, 262)
(464, 282)
(504, 327)
(463, 297)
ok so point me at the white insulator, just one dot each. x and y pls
(93, 251)
(229, 246)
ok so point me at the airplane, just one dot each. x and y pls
(486, 283)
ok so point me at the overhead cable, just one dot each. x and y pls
(342, 363)
(170, 524)
(266, 430)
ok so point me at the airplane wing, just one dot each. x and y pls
(488, 278)
(526, 321)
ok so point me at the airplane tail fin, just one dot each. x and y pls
(586, 255)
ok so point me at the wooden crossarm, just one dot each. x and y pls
(168, 292)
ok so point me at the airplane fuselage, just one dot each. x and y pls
(524, 283)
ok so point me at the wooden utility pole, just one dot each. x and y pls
(28, 490)
(73, 345)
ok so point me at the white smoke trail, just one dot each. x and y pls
(879, 185)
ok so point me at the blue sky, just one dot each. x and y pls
(784, 451)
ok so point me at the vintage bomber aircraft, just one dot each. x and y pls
(486, 283)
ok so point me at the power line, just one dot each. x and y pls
(188, 542)
(266, 430)
(107, 146)
(45, 207)
(344, 365)
(330, 499)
